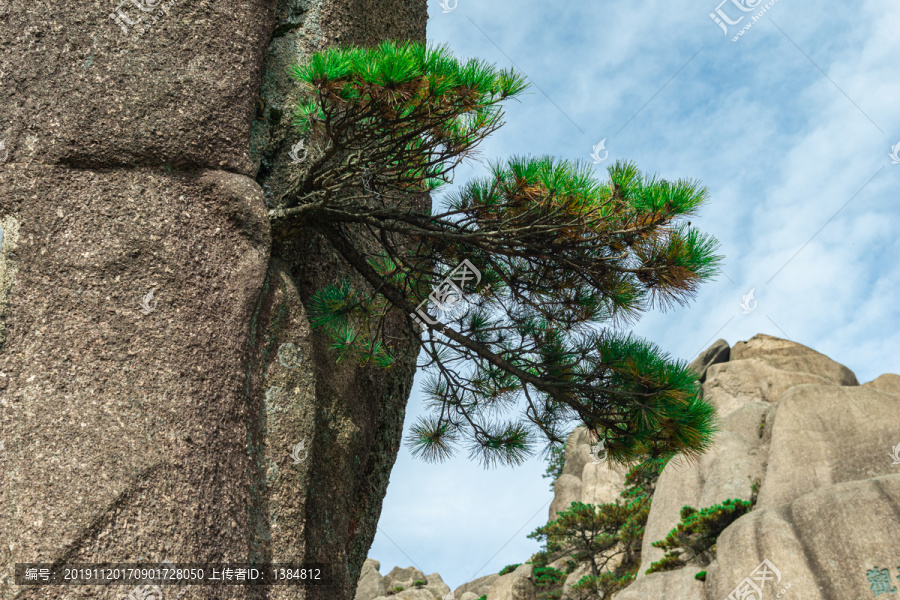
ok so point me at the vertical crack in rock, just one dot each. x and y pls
(352, 417)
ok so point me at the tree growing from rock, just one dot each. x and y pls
(694, 538)
(606, 538)
(546, 262)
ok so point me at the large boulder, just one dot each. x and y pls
(680, 584)
(719, 352)
(566, 490)
(124, 412)
(798, 429)
(731, 469)
(403, 577)
(371, 583)
(518, 585)
(799, 435)
(888, 383)
(821, 545)
(95, 87)
(163, 395)
(602, 482)
(824, 435)
(578, 452)
(479, 586)
(730, 385)
(571, 579)
(791, 356)
(436, 585)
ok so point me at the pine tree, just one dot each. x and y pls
(558, 261)
(694, 538)
(605, 537)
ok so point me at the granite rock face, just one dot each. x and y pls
(584, 479)
(799, 427)
(518, 585)
(403, 577)
(822, 545)
(680, 584)
(479, 586)
(123, 405)
(162, 396)
(715, 354)
(371, 583)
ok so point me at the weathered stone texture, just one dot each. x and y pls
(680, 584)
(518, 585)
(126, 432)
(371, 583)
(823, 543)
(359, 412)
(479, 586)
(80, 91)
(798, 425)
(167, 435)
(719, 352)
(583, 479)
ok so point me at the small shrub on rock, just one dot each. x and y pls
(541, 559)
(549, 583)
(694, 538)
(547, 576)
(419, 583)
(603, 585)
(669, 562)
(595, 535)
(509, 568)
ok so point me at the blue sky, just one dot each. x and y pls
(790, 127)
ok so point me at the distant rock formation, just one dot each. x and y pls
(372, 586)
(798, 426)
(816, 446)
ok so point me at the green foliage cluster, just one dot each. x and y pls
(509, 568)
(398, 589)
(569, 259)
(547, 576)
(332, 310)
(410, 98)
(418, 583)
(548, 582)
(694, 538)
(595, 535)
(701, 576)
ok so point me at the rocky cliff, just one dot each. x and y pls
(815, 447)
(156, 365)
